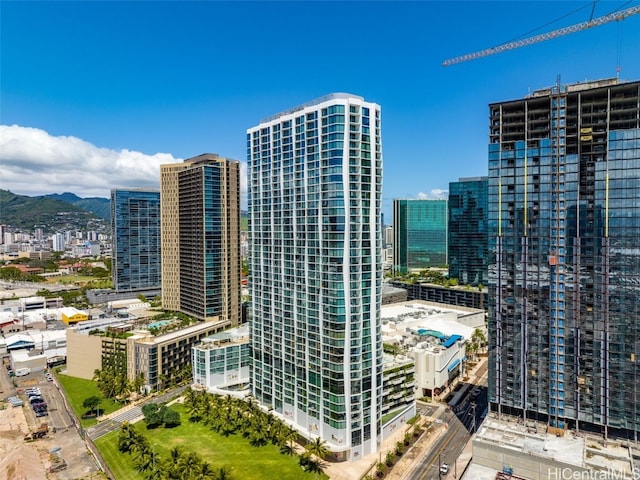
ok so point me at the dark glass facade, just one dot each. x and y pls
(419, 234)
(564, 275)
(135, 227)
(468, 204)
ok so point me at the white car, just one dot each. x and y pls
(444, 469)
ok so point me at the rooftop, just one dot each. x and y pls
(311, 103)
(581, 449)
(417, 322)
(232, 336)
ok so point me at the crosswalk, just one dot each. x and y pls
(129, 414)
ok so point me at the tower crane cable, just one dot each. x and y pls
(615, 16)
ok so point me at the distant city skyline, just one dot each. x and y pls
(86, 109)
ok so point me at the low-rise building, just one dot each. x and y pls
(464, 295)
(157, 358)
(71, 315)
(434, 335)
(507, 447)
(221, 362)
(398, 387)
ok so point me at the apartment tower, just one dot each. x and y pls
(467, 230)
(135, 228)
(315, 185)
(419, 234)
(564, 276)
(200, 225)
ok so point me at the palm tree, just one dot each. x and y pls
(170, 466)
(189, 465)
(207, 472)
(288, 437)
(143, 460)
(224, 473)
(125, 437)
(318, 448)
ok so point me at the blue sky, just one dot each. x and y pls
(95, 95)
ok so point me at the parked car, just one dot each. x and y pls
(36, 399)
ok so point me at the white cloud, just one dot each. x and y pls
(35, 163)
(435, 194)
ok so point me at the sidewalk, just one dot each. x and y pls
(462, 463)
(405, 464)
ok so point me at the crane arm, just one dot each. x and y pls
(621, 15)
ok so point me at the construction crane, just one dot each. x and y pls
(621, 15)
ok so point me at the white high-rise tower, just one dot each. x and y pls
(315, 186)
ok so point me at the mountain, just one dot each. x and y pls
(99, 206)
(51, 214)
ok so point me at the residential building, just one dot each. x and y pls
(315, 186)
(468, 245)
(200, 231)
(136, 250)
(221, 365)
(222, 362)
(388, 236)
(159, 359)
(419, 234)
(564, 311)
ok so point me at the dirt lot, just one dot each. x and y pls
(31, 460)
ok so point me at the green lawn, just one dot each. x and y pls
(78, 390)
(246, 462)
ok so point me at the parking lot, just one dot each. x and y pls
(33, 458)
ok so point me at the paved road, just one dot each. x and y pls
(450, 444)
(130, 414)
(446, 449)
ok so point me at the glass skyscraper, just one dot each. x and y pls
(315, 185)
(135, 227)
(201, 238)
(419, 234)
(468, 204)
(564, 284)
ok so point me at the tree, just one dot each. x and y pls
(224, 473)
(152, 415)
(479, 338)
(318, 448)
(92, 403)
(389, 458)
(171, 418)
(125, 437)
(189, 465)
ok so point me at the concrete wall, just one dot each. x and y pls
(525, 465)
(400, 421)
(84, 354)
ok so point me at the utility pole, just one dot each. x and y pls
(473, 418)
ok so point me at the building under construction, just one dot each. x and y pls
(564, 273)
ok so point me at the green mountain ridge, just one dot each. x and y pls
(50, 214)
